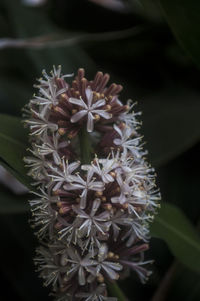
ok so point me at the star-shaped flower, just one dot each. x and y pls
(89, 109)
(85, 186)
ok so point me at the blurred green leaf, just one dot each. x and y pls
(17, 251)
(115, 291)
(185, 286)
(13, 94)
(29, 22)
(11, 203)
(183, 18)
(13, 146)
(22, 178)
(172, 226)
(12, 126)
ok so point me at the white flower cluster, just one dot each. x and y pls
(92, 217)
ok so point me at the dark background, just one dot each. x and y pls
(157, 61)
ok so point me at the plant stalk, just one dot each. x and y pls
(115, 291)
(86, 157)
(85, 146)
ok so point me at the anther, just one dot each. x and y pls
(113, 174)
(64, 96)
(98, 193)
(110, 255)
(62, 131)
(77, 94)
(108, 107)
(74, 111)
(100, 278)
(96, 117)
(126, 107)
(107, 206)
(103, 198)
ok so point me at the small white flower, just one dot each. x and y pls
(130, 117)
(52, 147)
(85, 186)
(44, 199)
(102, 167)
(50, 270)
(125, 190)
(131, 145)
(138, 229)
(40, 124)
(79, 265)
(37, 164)
(44, 217)
(89, 109)
(142, 272)
(108, 266)
(48, 97)
(64, 175)
(99, 223)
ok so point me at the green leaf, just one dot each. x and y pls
(12, 127)
(23, 21)
(183, 19)
(115, 291)
(17, 251)
(174, 228)
(11, 203)
(14, 93)
(185, 286)
(13, 147)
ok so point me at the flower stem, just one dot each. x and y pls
(86, 151)
(85, 146)
(115, 291)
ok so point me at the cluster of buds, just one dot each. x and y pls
(96, 193)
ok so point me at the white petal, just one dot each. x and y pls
(117, 141)
(112, 274)
(90, 123)
(117, 129)
(56, 158)
(63, 90)
(57, 186)
(72, 166)
(81, 276)
(107, 178)
(83, 199)
(73, 186)
(115, 199)
(103, 114)
(95, 206)
(76, 117)
(63, 144)
(96, 186)
(113, 265)
(85, 167)
(89, 95)
(99, 103)
(78, 102)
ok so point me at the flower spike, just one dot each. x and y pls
(91, 215)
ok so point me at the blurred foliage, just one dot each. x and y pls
(153, 49)
(172, 226)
